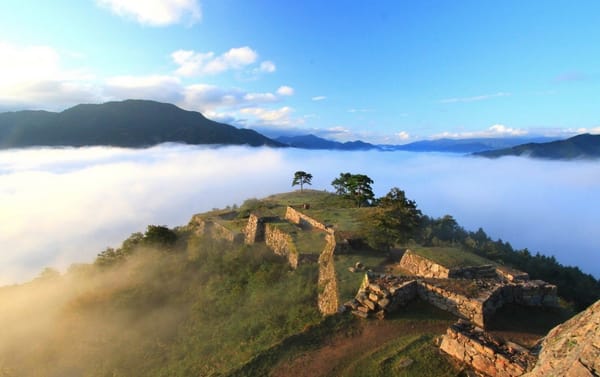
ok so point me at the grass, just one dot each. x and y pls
(344, 219)
(451, 257)
(348, 282)
(411, 353)
(310, 241)
(410, 356)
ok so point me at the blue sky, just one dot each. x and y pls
(381, 71)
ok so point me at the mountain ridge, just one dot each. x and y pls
(584, 146)
(129, 123)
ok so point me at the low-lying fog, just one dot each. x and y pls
(61, 206)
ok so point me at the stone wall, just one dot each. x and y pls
(301, 219)
(254, 230)
(487, 271)
(328, 298)
(510, 274)
(527, 293)
(206, 227)
(485, 354)
(281, 243)
(381, 295)
(420, 266)
(455, 303)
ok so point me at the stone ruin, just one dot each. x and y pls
(471, 293)
(473, 346)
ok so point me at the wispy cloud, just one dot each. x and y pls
(267, 66)
(281, 117)
(475, 98)
(571, 76)
(192, 63)
(155, 12)
(497, 130)
(360, 110)
(318, 98)
(285, 91)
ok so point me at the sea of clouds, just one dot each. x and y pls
(62, 206)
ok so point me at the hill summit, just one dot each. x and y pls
(129, 123)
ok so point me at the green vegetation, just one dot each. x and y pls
(171, 303)
(302, 178)
(409, 356)
(200, 307)
(394, 220)
(348, 282)
(355, 186)
(451, 257)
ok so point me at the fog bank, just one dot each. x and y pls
(61, 206)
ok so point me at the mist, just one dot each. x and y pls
(64, 206)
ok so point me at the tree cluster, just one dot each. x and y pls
(355, 186)
(156, 236)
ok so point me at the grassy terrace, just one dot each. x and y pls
(348, 282)
(306, 241)
(451, 257)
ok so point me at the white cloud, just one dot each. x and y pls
(361, 110)
(155, 12)
(205, 98)
(593, 130)
(281, 117)
(403, 135)
(60, 222)
(318, 98)
(497, 130)
(193, 63)
(159, 88)
(475, 98)
(285, 90)
(267, 66)
(34, 76)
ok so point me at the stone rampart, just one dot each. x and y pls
(485, 354)
(420, 266)
(254, 230)
(453, 302)
(301, 219)
(282, 244)
(207, 227)
(381, 295)
(328, 298)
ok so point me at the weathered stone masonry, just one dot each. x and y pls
(259, 229)
(207, 227)
(485, 354)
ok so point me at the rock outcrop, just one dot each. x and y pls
(572, 348)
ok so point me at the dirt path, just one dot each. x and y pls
(341, 348)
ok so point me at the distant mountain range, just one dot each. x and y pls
(130, 123)
(470, 145)
(141, 123)
(439, 145)
(315, 142)
(583, 146)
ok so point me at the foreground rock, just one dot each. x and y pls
(572, 348)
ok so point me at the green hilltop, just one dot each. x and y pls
(201, 300)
